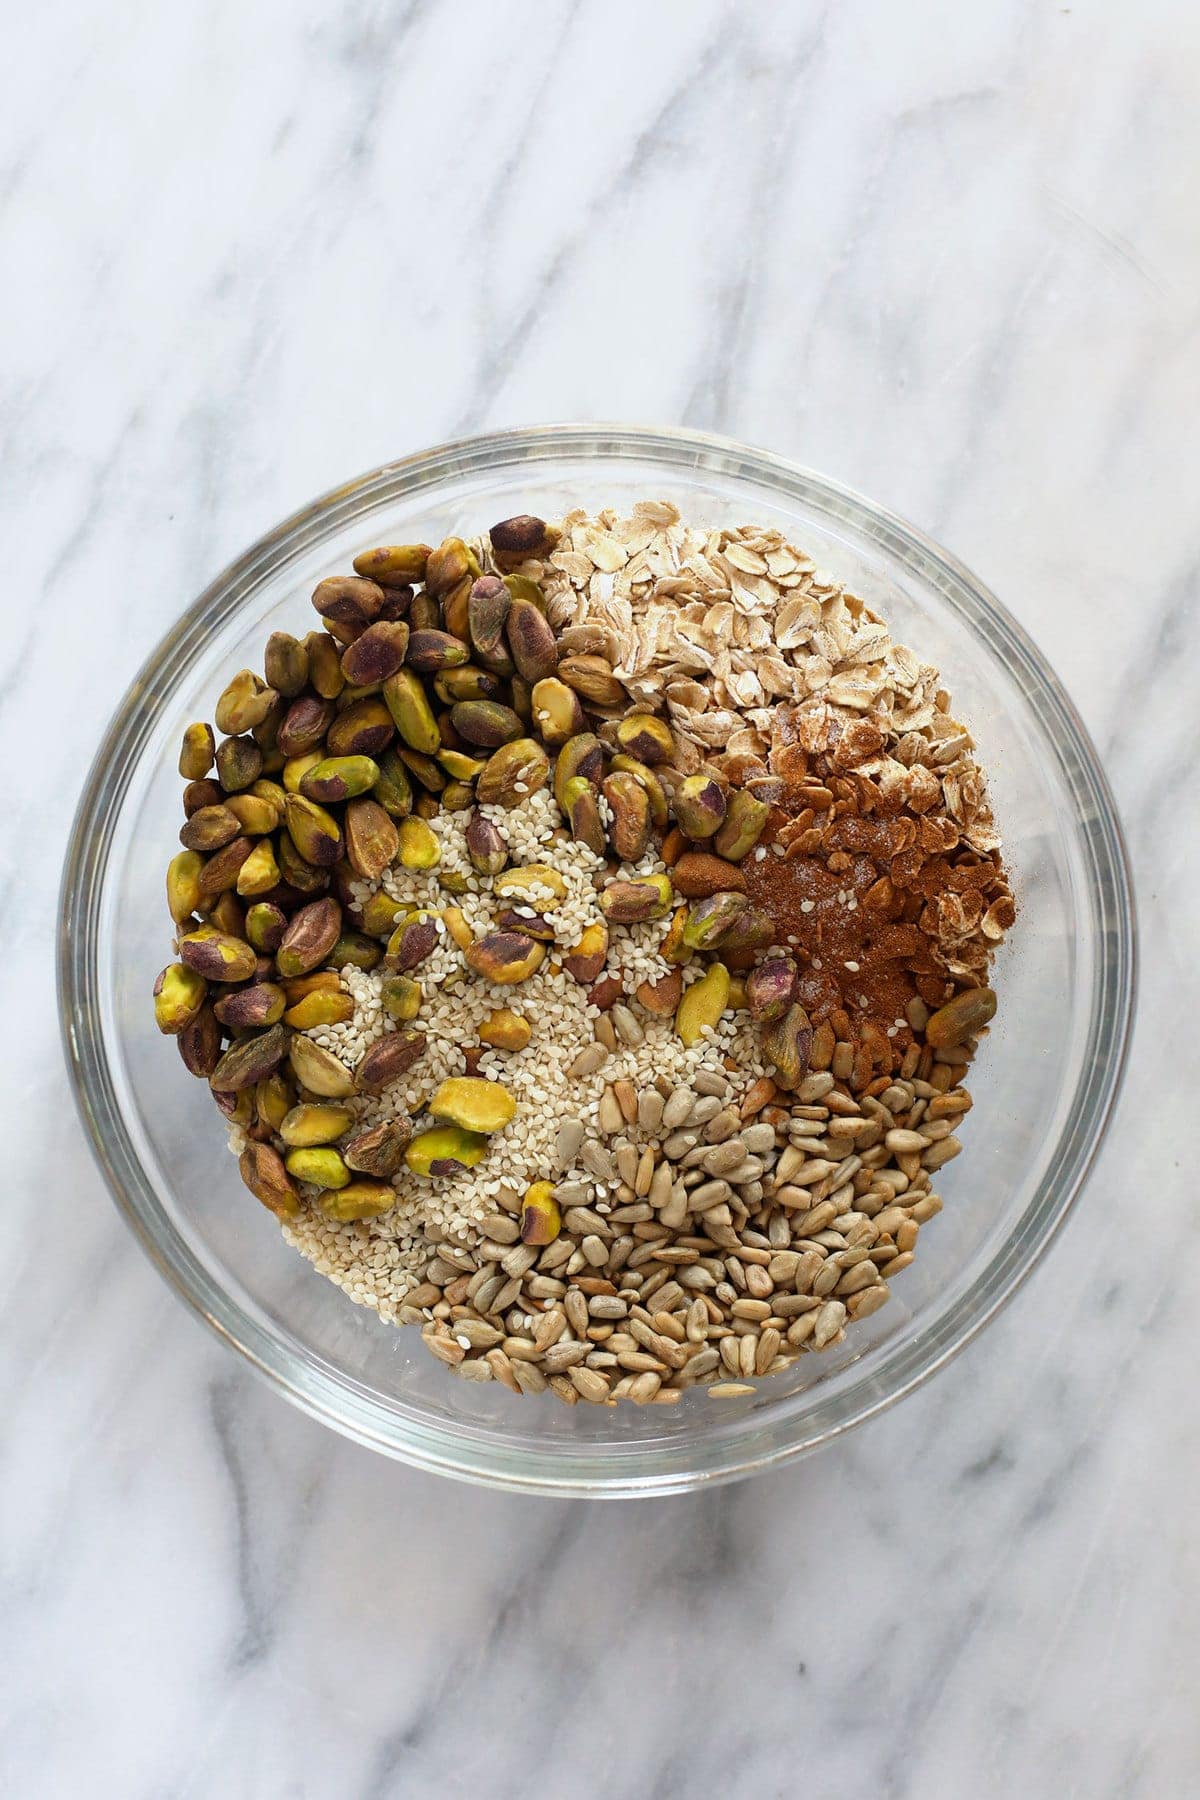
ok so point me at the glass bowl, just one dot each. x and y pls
(1044, 1083)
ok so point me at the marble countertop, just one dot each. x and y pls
(949, 256)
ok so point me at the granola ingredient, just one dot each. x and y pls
(703, 1004)
(742, 827)
(319, 1168)
(541, 1217)
(445, 1150)
(178, 996)
(250, 1060)
(960, 1018)
(474, 1103)
(262, 1170)
(197, 752)
(319, 1071)
(505, 1030)
(360, 1199)
(379, 1151)
(703, 1142)
(506, 957)
(388, 1059)
(700, 806)
(314, 1122)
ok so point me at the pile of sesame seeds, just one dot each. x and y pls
(555, 1081)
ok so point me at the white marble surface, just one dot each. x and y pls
(950, 255)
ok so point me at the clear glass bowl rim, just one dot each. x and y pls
(592, 1470)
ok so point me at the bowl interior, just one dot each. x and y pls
(1042, 1081)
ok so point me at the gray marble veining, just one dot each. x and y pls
(948, 256)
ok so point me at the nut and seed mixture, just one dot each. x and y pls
(586, 935)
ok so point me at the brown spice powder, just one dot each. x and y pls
(849, 956)
(873, 898)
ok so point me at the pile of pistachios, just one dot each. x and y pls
(435, 683)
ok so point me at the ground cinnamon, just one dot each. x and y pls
(876, 900)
